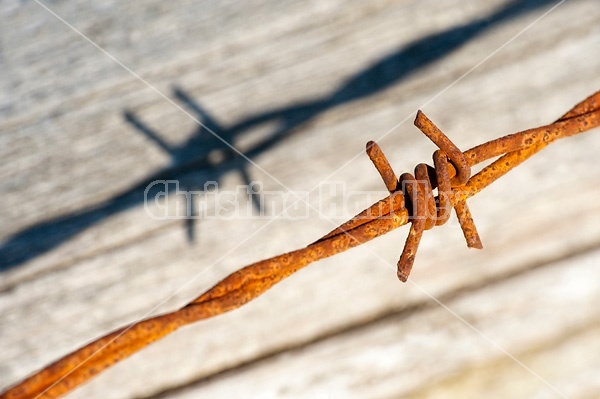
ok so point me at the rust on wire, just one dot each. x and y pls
(411, 200)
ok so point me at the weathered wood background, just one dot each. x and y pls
(302, 86)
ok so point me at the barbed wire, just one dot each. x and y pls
(450, 175)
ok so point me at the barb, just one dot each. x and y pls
(450, 175)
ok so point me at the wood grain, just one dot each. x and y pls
(67, 148)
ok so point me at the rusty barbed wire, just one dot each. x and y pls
(450, 175)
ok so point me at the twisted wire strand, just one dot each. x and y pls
(382, 217)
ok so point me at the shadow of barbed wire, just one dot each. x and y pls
(196, 154)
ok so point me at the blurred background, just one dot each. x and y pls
(299, 87)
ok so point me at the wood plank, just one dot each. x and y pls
(70, 135)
